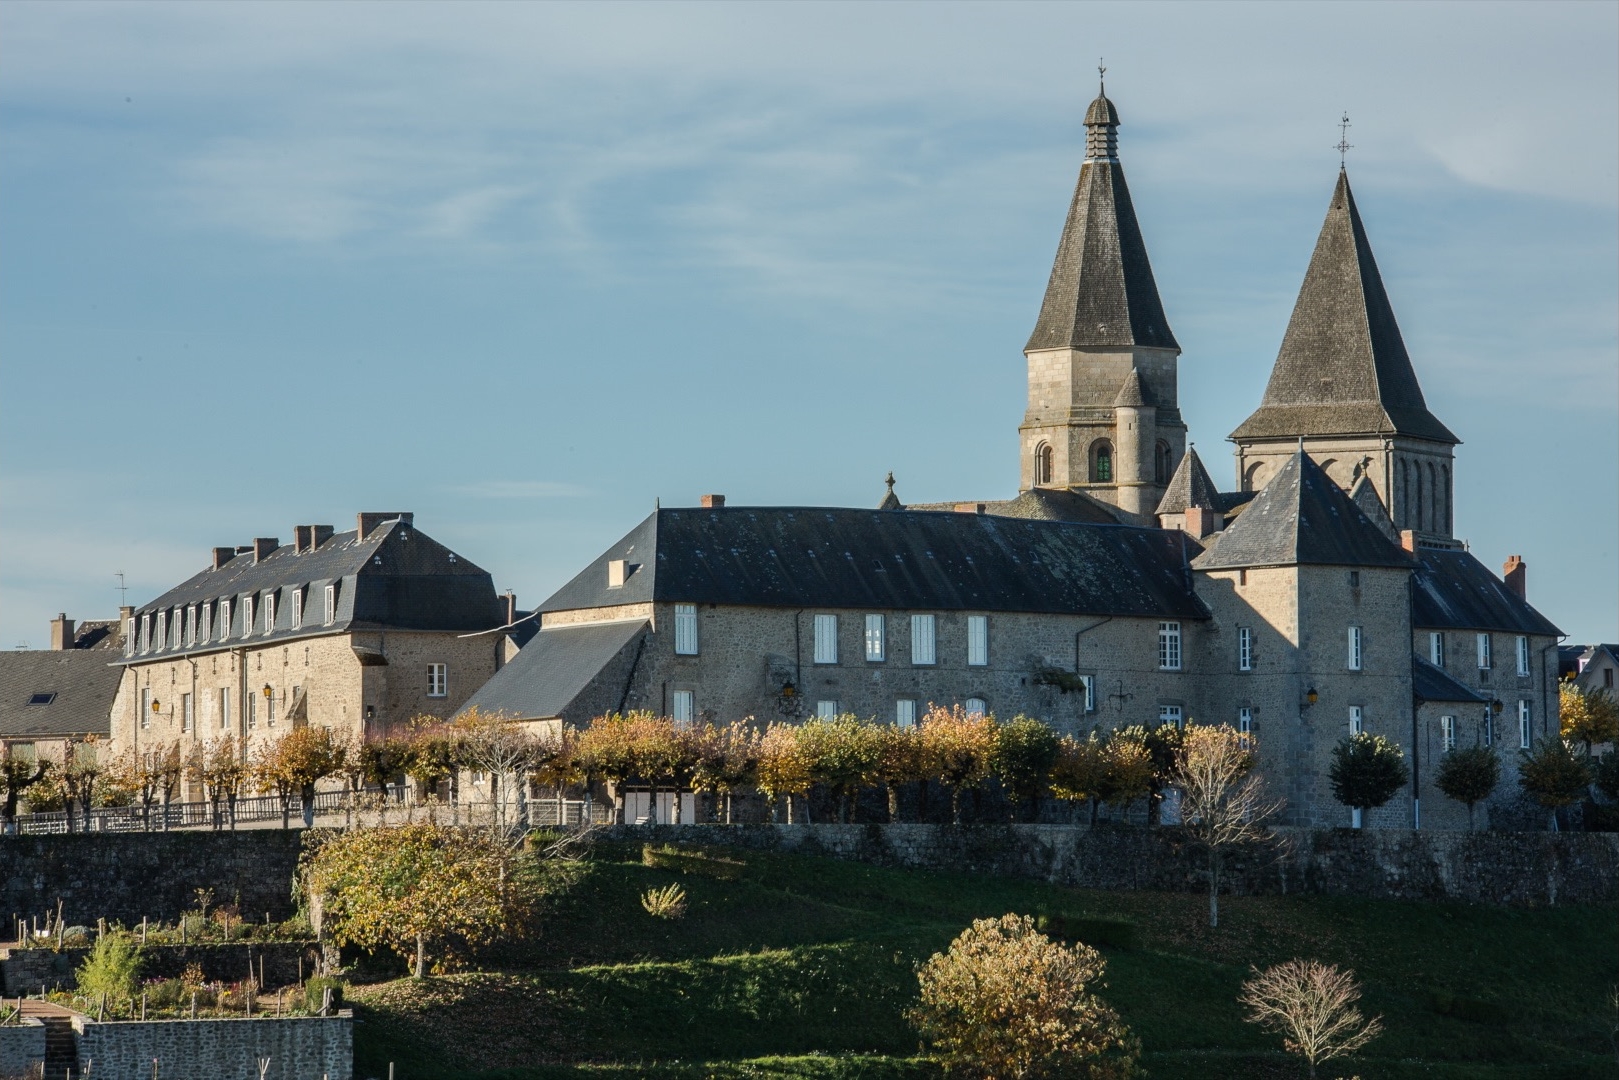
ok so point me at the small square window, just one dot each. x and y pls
(976, 707)
(1170, 714)
(826, 710)
(1354, 579)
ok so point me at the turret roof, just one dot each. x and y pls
(1190, 486)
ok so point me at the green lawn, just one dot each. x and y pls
(803, 967)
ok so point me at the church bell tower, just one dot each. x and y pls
(1103, 415)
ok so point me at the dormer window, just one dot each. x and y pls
(247, 616)
(224, 620)
(269, 613)
(297, 608)
(331, 605)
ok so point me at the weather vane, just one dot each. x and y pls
(1101, 73)
(1344, 145)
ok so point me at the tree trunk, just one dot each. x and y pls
(955, 806)
(893, 803)
(421, 956)
(1469, 817)
(1095, 805)
(308, 798)
(286, 809)
(1214, 886)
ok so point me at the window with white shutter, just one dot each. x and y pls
(922, 639)
(438, 680)
(876, 639)
(977, 640)
(686, 629)
(330, 615)
(269, 613)
(826, 710)
(683, 706)
(1245, 724)
(297, 608)
(1170, 714)
(826, 639)
(1447, 733)
(1436, 648)
(1357, 720)
(1525, 733)
(224, 620)
(1484, 652)
(1088, 683)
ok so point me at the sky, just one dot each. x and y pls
(524, 269)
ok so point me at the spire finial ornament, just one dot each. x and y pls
(1344, 145)
(889, 480)
(1101, 74)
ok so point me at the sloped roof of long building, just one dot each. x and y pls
(73, 688)
(1453, 590)
(554, 667)
(894, 559)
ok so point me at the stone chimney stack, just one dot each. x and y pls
(511, 607)
(713, 502)
(1201, 521)
(223, 555)
(264, 547)
(1408, 540)
(366, 521)
(1515, 574)
(61, 632)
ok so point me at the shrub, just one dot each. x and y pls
(1606, 774)
(1468, 776)
(668, 902)
(112, 969)
(1007, 1001)
(1367, 770)
(315, 991)
(1552, 775)
(1025, 751)
(167, 993)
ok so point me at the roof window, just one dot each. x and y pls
(44, 698)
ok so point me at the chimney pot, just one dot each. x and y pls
(511, 607)
(713, 502)
(264, 547)
(61, 632)
(1516, 573)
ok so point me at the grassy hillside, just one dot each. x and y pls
(803, 966)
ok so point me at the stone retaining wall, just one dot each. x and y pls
(22, 1047)
(22, 971)
(1517, 869)
(299, 1048)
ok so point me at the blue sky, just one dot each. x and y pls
(522, 269)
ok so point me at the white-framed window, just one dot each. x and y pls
(329, 616)
(1245, 648)
(247, 616)
(1245, 724)
(922, 639)
(1489, 727)
(252, 706)
(1484, 652)
(205, 620)
(269, 709)
(977, 640)
(146, 632)
(224, 620)
(162, 637)
(826, 710)
(1523, 654)
(224, 707)
(191, 625)
(1436, 648)
(1169, 646)
(1354, 658)
(1525, 734)
(129, 637)
(146, 706)
(1447, 734)
(438, 680)
(1171, 714)
(905, 712)
(826, 639)
(1357, 719)
(269, 613)
(297, 608)
(1088, 685)
(975, 706)
(876, 638)
(685, 629)
(683, 706)
(187, 717)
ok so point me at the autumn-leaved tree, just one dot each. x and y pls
(82, 773)
(1367, 770)
(843, 755)
(1312, 1006)
(900, 761)
(606, 753)
(729, 761)
(1553, 775)
(220, 772)
(1162, 742)
(1223, 802)
(960, 747)
(426, 891)
(1129, 768)
(150, 774)
(1585, 716)
(17, 775)
(1025, 751)
(1007, 1002)
(502, 749)
(1469, 776)
(1080, 772)
(784, 768)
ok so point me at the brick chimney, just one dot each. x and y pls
(511, 606)
(712, 502)
(223, 555)
(366, 521)
(1515, 573)
(969, 508)
(1408, 540)
(264, 547)
(61, 632)
(1201, 521)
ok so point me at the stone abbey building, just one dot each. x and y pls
(1325, 594)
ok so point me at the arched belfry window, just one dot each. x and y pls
(1163, 463)
(1043, 458)
(1101, 462)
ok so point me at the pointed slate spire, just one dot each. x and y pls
(1343, 368)
(890, 500)
(1101, 293)
(1190, 486)
(1132, 394)
(1301, 518)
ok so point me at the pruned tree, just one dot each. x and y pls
(900, 761)
(17, 775)
(1080, 771)
(434, 748)
(1312, 1005)
(219, 771)
(1588, 717)
(1163, 742)
(151, 774)
(82, 775)
(1552, 775)
(784, 768)
(502, 749)
(425, 891)
(1128, 775)
(1008, 1002)
(1469, 776)
(607, 754)
(844, 755)
(959, 748)
(1224, 804)
(1025, 751)
(1366, 771)
(728, 761)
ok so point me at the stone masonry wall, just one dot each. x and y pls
(1515, 869)
(299, 1048)
(22, 1046)
(23, 971)
(124, 877)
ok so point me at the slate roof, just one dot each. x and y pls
(894, 559)
(83, 683)
(394, 578)
(1301, 518)
(553, 668)
(1343, 368)
(1101, 292)
(1431, 683)
(1190, 486)
(1453, 590)
(1038, 504)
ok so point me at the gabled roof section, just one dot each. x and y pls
(1038, 504)
(1190, 486)
(1431, 683)
(544, 678)
(1343, 368)
(76, 688)
(1452, 590)
(1101, 293)
(1364, 495)
(891, 559)
(1301, 518)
